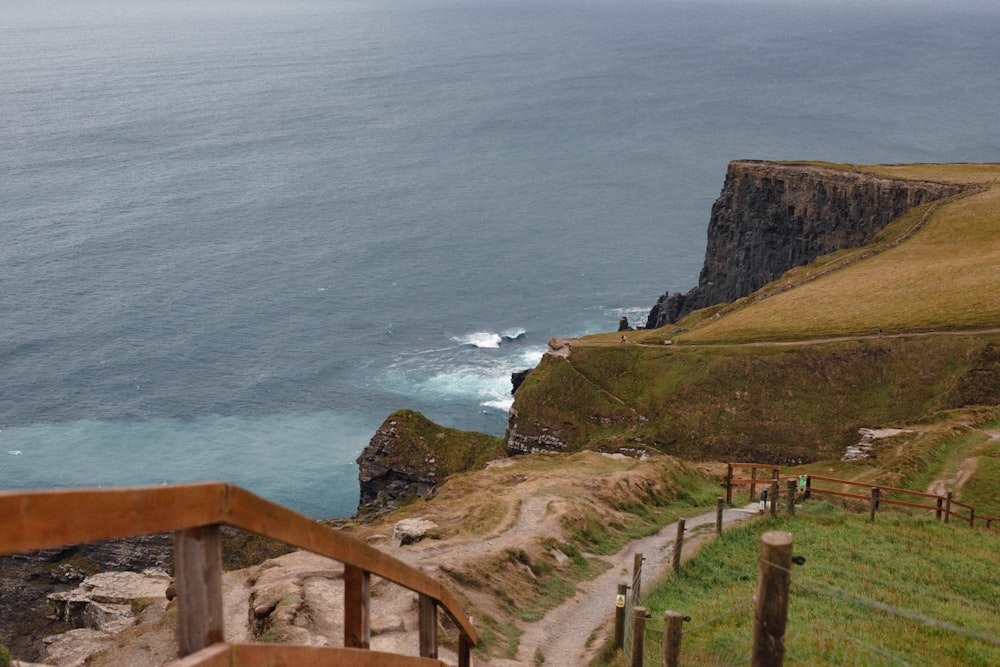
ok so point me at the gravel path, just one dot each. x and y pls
(562, 635)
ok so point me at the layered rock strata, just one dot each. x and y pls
(771, 217)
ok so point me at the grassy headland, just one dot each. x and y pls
(904, 589)
(895, 333)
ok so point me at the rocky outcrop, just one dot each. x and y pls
(107, 601)
(771, 217)
(531, 439)
(517, 378)
(389, 469)
(27, 579)
(409, 455)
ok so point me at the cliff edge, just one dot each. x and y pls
(771, 217)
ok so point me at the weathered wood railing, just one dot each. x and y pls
(877, 495)
(32, 520)
(945, 507)
(772, 475)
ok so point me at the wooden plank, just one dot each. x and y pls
(842, 494)
(32, 520)
(902, 503)
(427, 624)
(198, 579)
(882, 489)
(968, 520)
(218, 655)
(257, 515)
(761, 466)
(287, 655)
(357, 607)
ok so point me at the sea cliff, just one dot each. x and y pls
(771, 217)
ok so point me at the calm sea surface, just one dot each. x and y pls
(237, 235)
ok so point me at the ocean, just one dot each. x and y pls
(238, 234)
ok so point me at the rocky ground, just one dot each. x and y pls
(298, 597)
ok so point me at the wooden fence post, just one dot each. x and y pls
(873, 505)
(672, 634)
(198, 580)
(678, 544)
(620, 615)
(792, 486)
(753, 484)
(427, 623)
(357, 607)
(774, 497)
(771, 614)
(718, 516)
(636, 577)
(729, 483)
(809, 484)
(464, 649)
(638, 636)
(972, 517)
(940, 506)
(947, 508)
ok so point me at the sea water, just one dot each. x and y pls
(238, 234)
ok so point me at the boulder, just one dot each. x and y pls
(105, 601)
(410, 531)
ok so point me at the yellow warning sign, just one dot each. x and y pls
(619, 600)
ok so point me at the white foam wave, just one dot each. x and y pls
(513, 334)
(500, 404)
(15, 452)
(490, 339)
(480, 339)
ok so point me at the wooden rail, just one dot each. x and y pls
(32, 520)
(944, 507)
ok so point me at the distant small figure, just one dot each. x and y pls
(624, 339)
(879, 333)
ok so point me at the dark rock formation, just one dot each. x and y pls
(387, 474)
(771, 217)
(517, 378)
(409, 455)
(27, 579)
(533, 439)
(623, 324)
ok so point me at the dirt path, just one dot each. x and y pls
(956, 478)
(562, 635)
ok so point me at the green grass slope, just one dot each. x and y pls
(791, 373)
(902, 590)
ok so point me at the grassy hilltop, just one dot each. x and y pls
(902, 332)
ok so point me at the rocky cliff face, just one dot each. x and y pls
(409, 455)
(388, 470)
(771, 217)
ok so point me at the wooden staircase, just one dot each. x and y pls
(32, 520)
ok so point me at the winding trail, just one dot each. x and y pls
(561, 636)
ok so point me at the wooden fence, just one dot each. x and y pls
(32, 520)
(945, 507)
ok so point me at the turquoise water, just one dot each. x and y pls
(237, 235)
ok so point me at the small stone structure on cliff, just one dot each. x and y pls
(771, 217)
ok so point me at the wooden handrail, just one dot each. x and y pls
(289, 655)
(874, 489)
(761, 466)
(32, 520)
(881, 487)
